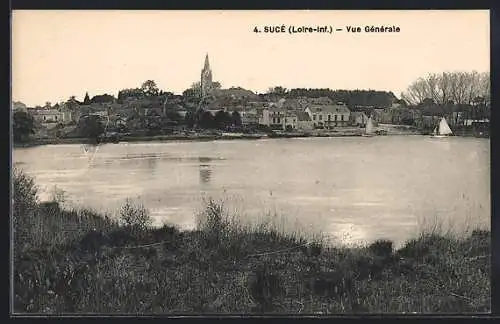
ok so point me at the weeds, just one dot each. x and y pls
(76, 261)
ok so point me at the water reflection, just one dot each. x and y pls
(144, 163)
(205, 169)
(357, 193)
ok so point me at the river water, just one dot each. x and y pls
(353, 189)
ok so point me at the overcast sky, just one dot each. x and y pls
(57, 54)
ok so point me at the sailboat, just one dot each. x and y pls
(442, 130)
(368, 128)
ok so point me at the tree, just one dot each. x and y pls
(71, 104)
(206, 120)
(135, 216)
(459, 87)
(129, 93)
(91, 127)
(149, 88)
(278, 91)
(216, 85)
(190, 93)
(72, 100)
(173, 116)
(222, 119)
(195, 90)
(48, 105)
(86, 100)
(105, 98)
(236, 118)
(22, 126)
(189, 119)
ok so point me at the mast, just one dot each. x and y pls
(369, 126)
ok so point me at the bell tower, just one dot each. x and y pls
(206, 78)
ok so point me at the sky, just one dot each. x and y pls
(57, 54)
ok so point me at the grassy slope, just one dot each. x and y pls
(78, 261)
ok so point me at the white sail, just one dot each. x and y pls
(369, 126)
(444, 129)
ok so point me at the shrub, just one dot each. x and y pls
(264, 287)
(24, 206)
(214, 223)
(135, 215)
(381, 248)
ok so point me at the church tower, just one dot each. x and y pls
(206, 78)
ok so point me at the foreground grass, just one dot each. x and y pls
(79, 262)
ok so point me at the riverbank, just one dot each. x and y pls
(70, 261)
(195, 137)
(382, 130)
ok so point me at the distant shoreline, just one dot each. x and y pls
(200, 138)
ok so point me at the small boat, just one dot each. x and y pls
(233, 134)
(368, 129)
(442, 130)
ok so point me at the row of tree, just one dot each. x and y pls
(449, 87)
(149, 89)
(205, 120)
(351, 98)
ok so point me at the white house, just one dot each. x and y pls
(249, 117)
(290, 120)
(358, 118)
(49, 116)
(327, 116)
(182, 113)
(273, 117)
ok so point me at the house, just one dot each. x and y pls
(289, 121)
(100, 113)
(237, 93)
(401, 116)
(429, 121)
(182, 112)
(156, 111)
(67, 115)
(327, 116)
(249, 117)
(320, 101)
(116, 121)
(124, 113)
(215, 111)
(304, 121)
(48, 116)
(358, 118)
(273, 117)
(377, 114)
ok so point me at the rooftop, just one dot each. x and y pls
(342, 109)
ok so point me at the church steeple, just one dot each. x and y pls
(207, 64)
(206, 78)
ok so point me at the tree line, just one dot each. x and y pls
(351, 98)
(445, 93)
(449, 87)
(440, 93)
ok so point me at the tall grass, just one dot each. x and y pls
(75, 261)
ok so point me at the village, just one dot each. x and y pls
(206, 107)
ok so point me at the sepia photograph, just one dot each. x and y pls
(258, 162)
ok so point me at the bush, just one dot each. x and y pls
(381, 248)
(24, 206)
(135, 215)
